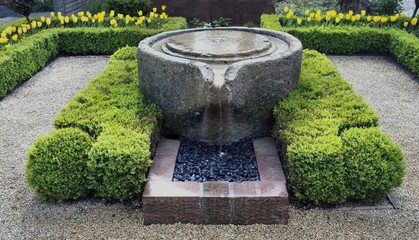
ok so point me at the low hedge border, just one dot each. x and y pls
(330, 142)
(348, 40)
(122, 126)
(22, 60)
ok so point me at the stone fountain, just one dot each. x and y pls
(219, 84)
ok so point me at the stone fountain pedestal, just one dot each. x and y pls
(219, 84)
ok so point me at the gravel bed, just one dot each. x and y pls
(26, 114)
(200, 162)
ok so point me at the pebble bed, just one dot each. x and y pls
(199, 161)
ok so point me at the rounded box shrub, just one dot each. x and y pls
(127, 7)
(374, 164)
(56, 166)
(118, 163)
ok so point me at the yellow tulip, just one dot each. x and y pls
(140, 13)
(405, 24)
(403, 14)
(333, 13)
(299, 21)
(311, 15)
(318, 12)
(126, 21)
(288, 16)
(328, 18)
(62, 22)
(151, 15)
(348, 16)
(337, 20)
(19, 31)
(93, 20)
(95, 16)
(318, 18)
(115, 25)
(112, 22)
(24, 30)
(3, 40)
(33, 24)
(292, 13)
(307, 12)
(112, 13)
(369, 18)
(13, 29)
(74, 19)
(80, 14)
(48, 21)
(397, 16)
(161, 16)
(393, 18)
(100, 19)
(351, 12)
(384, 20)
(88, 14)
(59, 14)
(42, 19)
(414, 21)
(120, 16)
(377, 19)
(309, 19)
(149, 20)
(340, 15)
(363, 12)
(52, 14)
(163, 7)
(154, 9)
(353, 18)
(286, 9)
(67, 19)
(358, 17)
(14, 37)
(156, 15)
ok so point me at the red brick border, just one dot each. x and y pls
(266, 201)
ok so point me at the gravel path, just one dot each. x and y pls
(26, 114)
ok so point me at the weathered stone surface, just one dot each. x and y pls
(223, 93)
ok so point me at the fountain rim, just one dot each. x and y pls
(294, 45)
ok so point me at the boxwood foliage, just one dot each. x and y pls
(118, 163)
(123, 128)
(330, 144)
(56, 167)
(348, 40)
(22, 60)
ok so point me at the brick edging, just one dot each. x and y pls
(213, 202)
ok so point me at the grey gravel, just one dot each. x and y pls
(26, 114)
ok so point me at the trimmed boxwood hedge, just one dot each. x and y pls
(123, 126)
(22, 60)
(329, 140)
(57, 165)
(348, 40)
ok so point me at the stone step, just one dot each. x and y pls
(264, 201)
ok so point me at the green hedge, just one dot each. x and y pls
(118, 163)
(124, 128)
(329, 140)
(349, 40)
(22, 60)
(57, 165)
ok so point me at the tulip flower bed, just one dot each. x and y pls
(330, 142)
(335, 19)
(15, 32)
(21, 60)
(102, 140)
(351, 39)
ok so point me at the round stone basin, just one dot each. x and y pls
(219, 84)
